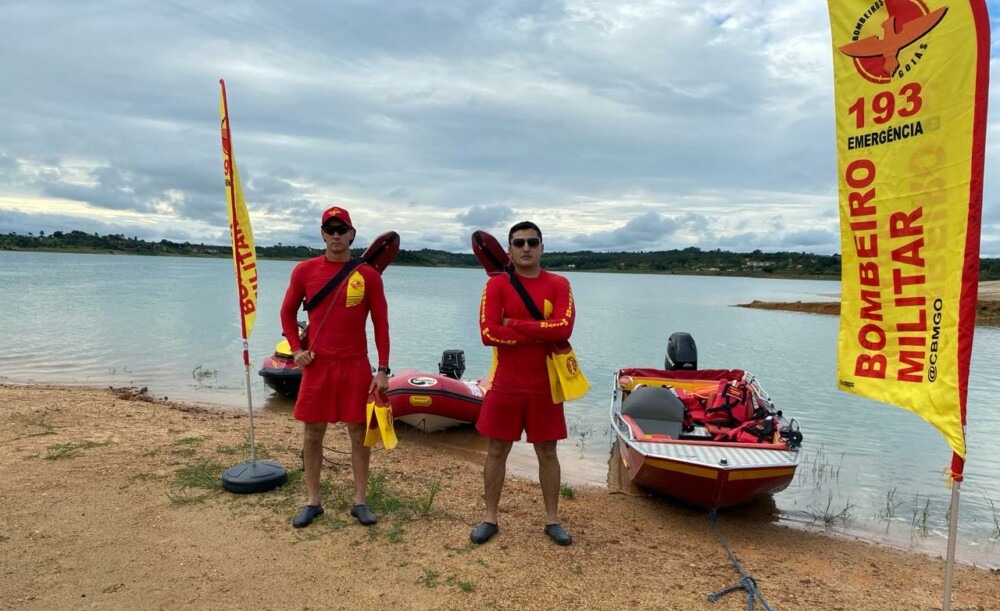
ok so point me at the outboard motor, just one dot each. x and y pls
(681, 352)
(452, 364)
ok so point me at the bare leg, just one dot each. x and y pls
(312, 458)
(549, 477)
(494, 472)
(360, 460)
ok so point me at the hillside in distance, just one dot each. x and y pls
(691, 260)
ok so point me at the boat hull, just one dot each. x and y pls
(702, 486)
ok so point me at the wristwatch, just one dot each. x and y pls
(383, 369)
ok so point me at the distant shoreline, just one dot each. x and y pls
(987, 309)
(560, 262)
(454, 263)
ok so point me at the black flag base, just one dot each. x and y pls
(254, 476)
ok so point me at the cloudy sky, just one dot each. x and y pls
(614, 125)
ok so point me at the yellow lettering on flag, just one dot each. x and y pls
(911, 85)
(244, 252)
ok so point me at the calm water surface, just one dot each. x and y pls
(156, 322)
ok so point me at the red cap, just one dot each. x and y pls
(337, 213)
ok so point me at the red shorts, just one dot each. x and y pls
(505, 415)
(334, 390)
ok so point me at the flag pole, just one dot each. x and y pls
(252, 476)
(949, 566)
(231, 183)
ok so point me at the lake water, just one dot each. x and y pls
(150, 321)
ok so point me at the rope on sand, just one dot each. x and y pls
(746, 582)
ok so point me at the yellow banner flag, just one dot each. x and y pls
(911, 85)
(244, 252)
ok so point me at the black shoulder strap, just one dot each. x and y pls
(332, 284)
(528, 301)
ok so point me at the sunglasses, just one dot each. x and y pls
(520, 242)
(335, 229)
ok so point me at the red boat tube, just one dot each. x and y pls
(431, 401)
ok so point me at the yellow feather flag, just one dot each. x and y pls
(911, 85)
(244, 252)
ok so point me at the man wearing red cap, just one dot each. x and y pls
(336, 373)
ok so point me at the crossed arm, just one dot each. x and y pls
(497, 330)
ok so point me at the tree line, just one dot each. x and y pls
(691, 260)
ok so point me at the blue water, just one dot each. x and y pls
(160, 322)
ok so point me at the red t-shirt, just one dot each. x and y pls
(523, 343)
(341, 335)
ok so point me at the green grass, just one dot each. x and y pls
(63, 451)
(583, 433)
(381, 500)
(201, 372)
(465, 586)
(36, 421)
(395, 535)
(566, 491)
(196, 483)
(190, 441)
(207, 475)
(920, 516)
(891, 505)
(241, 451)
(823, 470)
(430, 578)
(828, 517)
(393, 509)
(996, 519)
(427, 502)
(197, 478)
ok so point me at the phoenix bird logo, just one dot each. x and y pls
(571, 366)
(898, 32)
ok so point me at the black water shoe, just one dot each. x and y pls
(484, 532)
(558, 534)
(306, 515)
(363, 515)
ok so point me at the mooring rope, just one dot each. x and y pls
(746, 581)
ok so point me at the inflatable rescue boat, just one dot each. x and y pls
(432, 402)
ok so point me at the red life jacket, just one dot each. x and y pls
(731, 405)
(764, 430)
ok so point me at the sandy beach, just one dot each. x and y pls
(110, 501)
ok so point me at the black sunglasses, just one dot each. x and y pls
(335, 229)
(520, 242)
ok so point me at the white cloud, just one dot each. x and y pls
(610, 123)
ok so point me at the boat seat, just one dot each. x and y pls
(656, 410)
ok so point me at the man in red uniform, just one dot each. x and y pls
(519, 398)
(336, 373)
